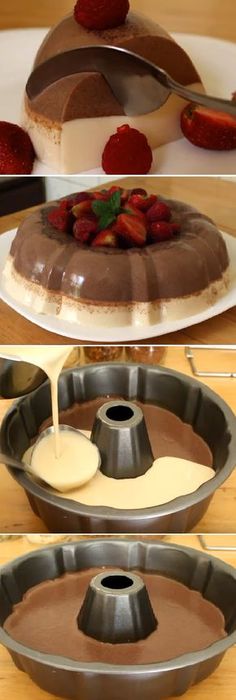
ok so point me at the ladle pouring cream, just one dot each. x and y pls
(62, 456)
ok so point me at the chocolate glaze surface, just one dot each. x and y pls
(46, 620)
(169, 436)
(89, 95)
(180, 267)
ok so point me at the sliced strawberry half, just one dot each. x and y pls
(130, 209)
(132, 229)
(142, 203)
(207, 129)
(107, 237)
(82, 208)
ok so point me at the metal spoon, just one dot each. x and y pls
(139, 85)
(27, 468)
(16, 463)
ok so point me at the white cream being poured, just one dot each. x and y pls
(63, 458)
(50, 358)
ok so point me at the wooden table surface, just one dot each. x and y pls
(209, 17)
(212, 196)
(16, 515)
(15, 685)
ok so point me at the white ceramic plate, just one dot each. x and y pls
(123, 333)
(215, 60)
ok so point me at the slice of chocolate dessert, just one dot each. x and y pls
(71, 120)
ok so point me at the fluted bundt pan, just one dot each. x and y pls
(189, 399)
(66, 678)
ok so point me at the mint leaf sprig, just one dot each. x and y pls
(107, 211)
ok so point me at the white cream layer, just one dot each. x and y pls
(167, 478)
(113, 315)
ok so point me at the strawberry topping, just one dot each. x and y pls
(159, 212)
(141, 202)
(105, 238)
(101, 14)
(110, 218)
(83, 228)
(127, 153)
(61, 219)
(82, 208)
(161, 231)
(132, 229)
(16, 150)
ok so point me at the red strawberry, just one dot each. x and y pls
(103, 196)
(124, 196)
(143, 203)
(114, 189)
(107, 237)
(66, 204)
(83, 228)
(161, 231)
(138, 190)
(16, 150)
(61, 220)
(101, 14)
(127, 153)
(132, 229)
(208, 129)
(72, 200)
(129, 209)
(82, 208)
(159, 212)
(81, 197)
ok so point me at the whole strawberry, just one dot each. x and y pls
(61, 219)
(83, 229)
(207, 129)
(101, 14)
(159, 212)
(16, 150)
(161, 231)
(127, 153)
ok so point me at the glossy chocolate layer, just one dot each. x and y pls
(169, 436)
(180, 267)
(88, 95)
(46, 620)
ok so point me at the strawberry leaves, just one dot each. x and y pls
(107, 211)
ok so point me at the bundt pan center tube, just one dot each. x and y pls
(117, 609)
(191, 401)
(120, 433)
(68, 678)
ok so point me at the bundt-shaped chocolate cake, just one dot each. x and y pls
(149, 263)
(71, 120)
